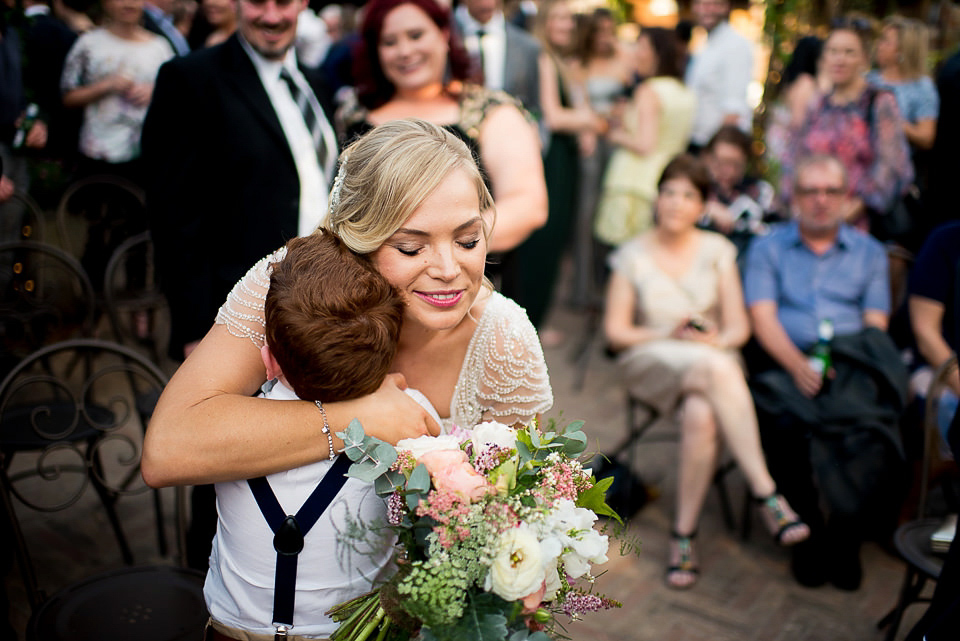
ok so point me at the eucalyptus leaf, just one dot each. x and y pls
(419, 480)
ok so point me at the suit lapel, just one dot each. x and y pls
(242, 77)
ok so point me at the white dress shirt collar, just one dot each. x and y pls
(314, 179)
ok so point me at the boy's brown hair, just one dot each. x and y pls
(332, 320)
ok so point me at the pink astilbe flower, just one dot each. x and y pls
(396, 508)
(577, 603)
(490, 458)
(561, 479)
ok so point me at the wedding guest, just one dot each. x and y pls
(859, 125)
(739, 203)
(222, 17)
(942, 199)
(332, 326)
(250, 165)
(719, 73)
(396, 34)
(933, 305)
(675, 315)
(159, 18)
(655, 126)
(504, 55)
(901, 58)
(413, 200)
(816, 279)
(109, 73)
(566, 114)
(608, 68)
(801, 85)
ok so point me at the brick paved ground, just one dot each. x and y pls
(745, 592)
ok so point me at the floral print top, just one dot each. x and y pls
(111, 125)
(867, 136)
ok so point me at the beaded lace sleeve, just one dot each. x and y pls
(504, 375)
(242, 312)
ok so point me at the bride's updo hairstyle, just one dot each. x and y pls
(386, 175)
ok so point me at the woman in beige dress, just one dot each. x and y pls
(675, 313)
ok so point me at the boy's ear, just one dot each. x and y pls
(270, 363)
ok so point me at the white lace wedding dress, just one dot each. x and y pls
(504, 375)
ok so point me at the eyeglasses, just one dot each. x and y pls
(832, 192)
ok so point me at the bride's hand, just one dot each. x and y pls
(391, 415)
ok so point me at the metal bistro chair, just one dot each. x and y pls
(95, 215)
(28, 215)
(45, 296)
(912, 539)
(135, 305)
(628, 491)
(72, 417)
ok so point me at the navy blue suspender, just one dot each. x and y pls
(288, 533)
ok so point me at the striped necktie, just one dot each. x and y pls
(310, 117)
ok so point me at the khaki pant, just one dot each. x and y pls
(244, 635)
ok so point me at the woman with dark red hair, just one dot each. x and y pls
(411, 64)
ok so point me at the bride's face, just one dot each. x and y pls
(436, 259)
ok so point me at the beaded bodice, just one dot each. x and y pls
(504, 375)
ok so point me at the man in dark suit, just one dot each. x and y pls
(238, 156)
(509, 56)
(228, 179)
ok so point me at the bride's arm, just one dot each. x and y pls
(207, 427)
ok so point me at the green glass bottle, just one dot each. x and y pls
(821, 359)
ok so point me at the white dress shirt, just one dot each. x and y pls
(719, 75)
(346, 551)
(494, 45)
(314, 179)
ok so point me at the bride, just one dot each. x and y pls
(470, 350)
(410, 198)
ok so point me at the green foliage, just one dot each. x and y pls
(596, 499)
(371, 457)
(484, 619)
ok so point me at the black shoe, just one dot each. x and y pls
(846, 572)
(809, 564)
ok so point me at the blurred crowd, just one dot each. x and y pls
(725, 254)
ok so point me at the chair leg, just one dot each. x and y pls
(719, 480)
(913, 584)
(581, 353)
(109, 501)
(746, 523)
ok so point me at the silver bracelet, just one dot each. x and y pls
(326, 429)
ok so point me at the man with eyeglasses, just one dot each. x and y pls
(829, 436)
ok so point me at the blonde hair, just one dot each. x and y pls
(386, 175)
(913, 42)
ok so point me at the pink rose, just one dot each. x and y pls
(533, 600)
(451, 471)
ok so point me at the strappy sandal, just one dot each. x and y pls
(784, 524)
(683, 573)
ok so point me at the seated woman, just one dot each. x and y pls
(740, 204)
(675, 313)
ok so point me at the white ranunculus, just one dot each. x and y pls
(423, 444)
(492, 433)
(552, 583)
(517, 568)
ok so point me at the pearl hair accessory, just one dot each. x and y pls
(337, 185)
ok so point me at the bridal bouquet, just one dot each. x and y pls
(495, 532)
